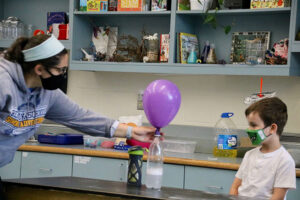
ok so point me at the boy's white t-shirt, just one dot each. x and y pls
(261, 172)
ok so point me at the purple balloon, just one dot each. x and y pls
(161, 102)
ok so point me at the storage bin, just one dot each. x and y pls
(91, 142)
(181, 146)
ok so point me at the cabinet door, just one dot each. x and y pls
(173, 175)
(100, 168)
(208, 179)
(45, 165)
(294, 194)
(12, 170)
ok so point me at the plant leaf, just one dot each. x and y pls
(220, 2)
(209, 19)
(227, 29)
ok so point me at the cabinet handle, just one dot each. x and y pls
(46, 170)
(122, 171)
(215, 187)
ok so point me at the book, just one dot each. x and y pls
(129, 5)
(112, 5)
(183, 5)
(178, 48)
(82, 6)
(164, 47)
(187, 43)
(158, 5)
(55, 18)
(255, 4)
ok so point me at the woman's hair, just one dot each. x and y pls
(15, 54)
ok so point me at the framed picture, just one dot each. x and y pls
(249, 47)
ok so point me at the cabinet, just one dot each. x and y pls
(12, 170)
(173, 175)
(294, 194)
(208, 179)
(282, 22)
(100, 168)
(45, 165)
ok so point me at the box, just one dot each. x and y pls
(63, 138)
(55, 18)
(103, 5)
(256, 4)
(93, 5)
(130, 5)
(180, 146)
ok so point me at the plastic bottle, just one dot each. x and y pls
(211, 57)
(226, 138)
(154, 171)
(192, 56)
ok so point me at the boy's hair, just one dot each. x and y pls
(270, 110)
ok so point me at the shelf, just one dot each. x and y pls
(238, 11)
(167, 68)
(296, 46)
(127, 13)
(8, 43)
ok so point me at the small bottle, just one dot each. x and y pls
(205, 52)
(29, 30)
(211, 57)
(226, 138)
(192, 56)
(154, 171)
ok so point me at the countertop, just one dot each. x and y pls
(107, 188)
(192, 159)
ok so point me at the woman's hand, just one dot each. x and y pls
(144, 133)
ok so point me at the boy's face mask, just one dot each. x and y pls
(256, 136)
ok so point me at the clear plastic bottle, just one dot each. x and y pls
(154, 171)
(226, 139)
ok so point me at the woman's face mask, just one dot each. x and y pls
(54, 81)
(257, 136)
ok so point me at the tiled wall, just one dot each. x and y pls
(204, 97)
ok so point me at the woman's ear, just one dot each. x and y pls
(38, 69)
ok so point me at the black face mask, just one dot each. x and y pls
(53, 82)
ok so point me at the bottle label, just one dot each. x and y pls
(227, 141)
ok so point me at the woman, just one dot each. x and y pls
(30, 73)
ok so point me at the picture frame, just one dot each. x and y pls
(249, 47)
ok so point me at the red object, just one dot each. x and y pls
(133, 142)
(38, 32)
(261, 84)
(63, 32)
(107, 144)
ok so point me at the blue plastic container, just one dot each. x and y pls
(64, 138)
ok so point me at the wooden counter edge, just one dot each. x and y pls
(121, 155)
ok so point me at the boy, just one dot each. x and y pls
(267, 171)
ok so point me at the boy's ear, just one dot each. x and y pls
(273, 129)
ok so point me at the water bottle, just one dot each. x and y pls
(154, 171)
(226, 138)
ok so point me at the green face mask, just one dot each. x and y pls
(256, 136)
